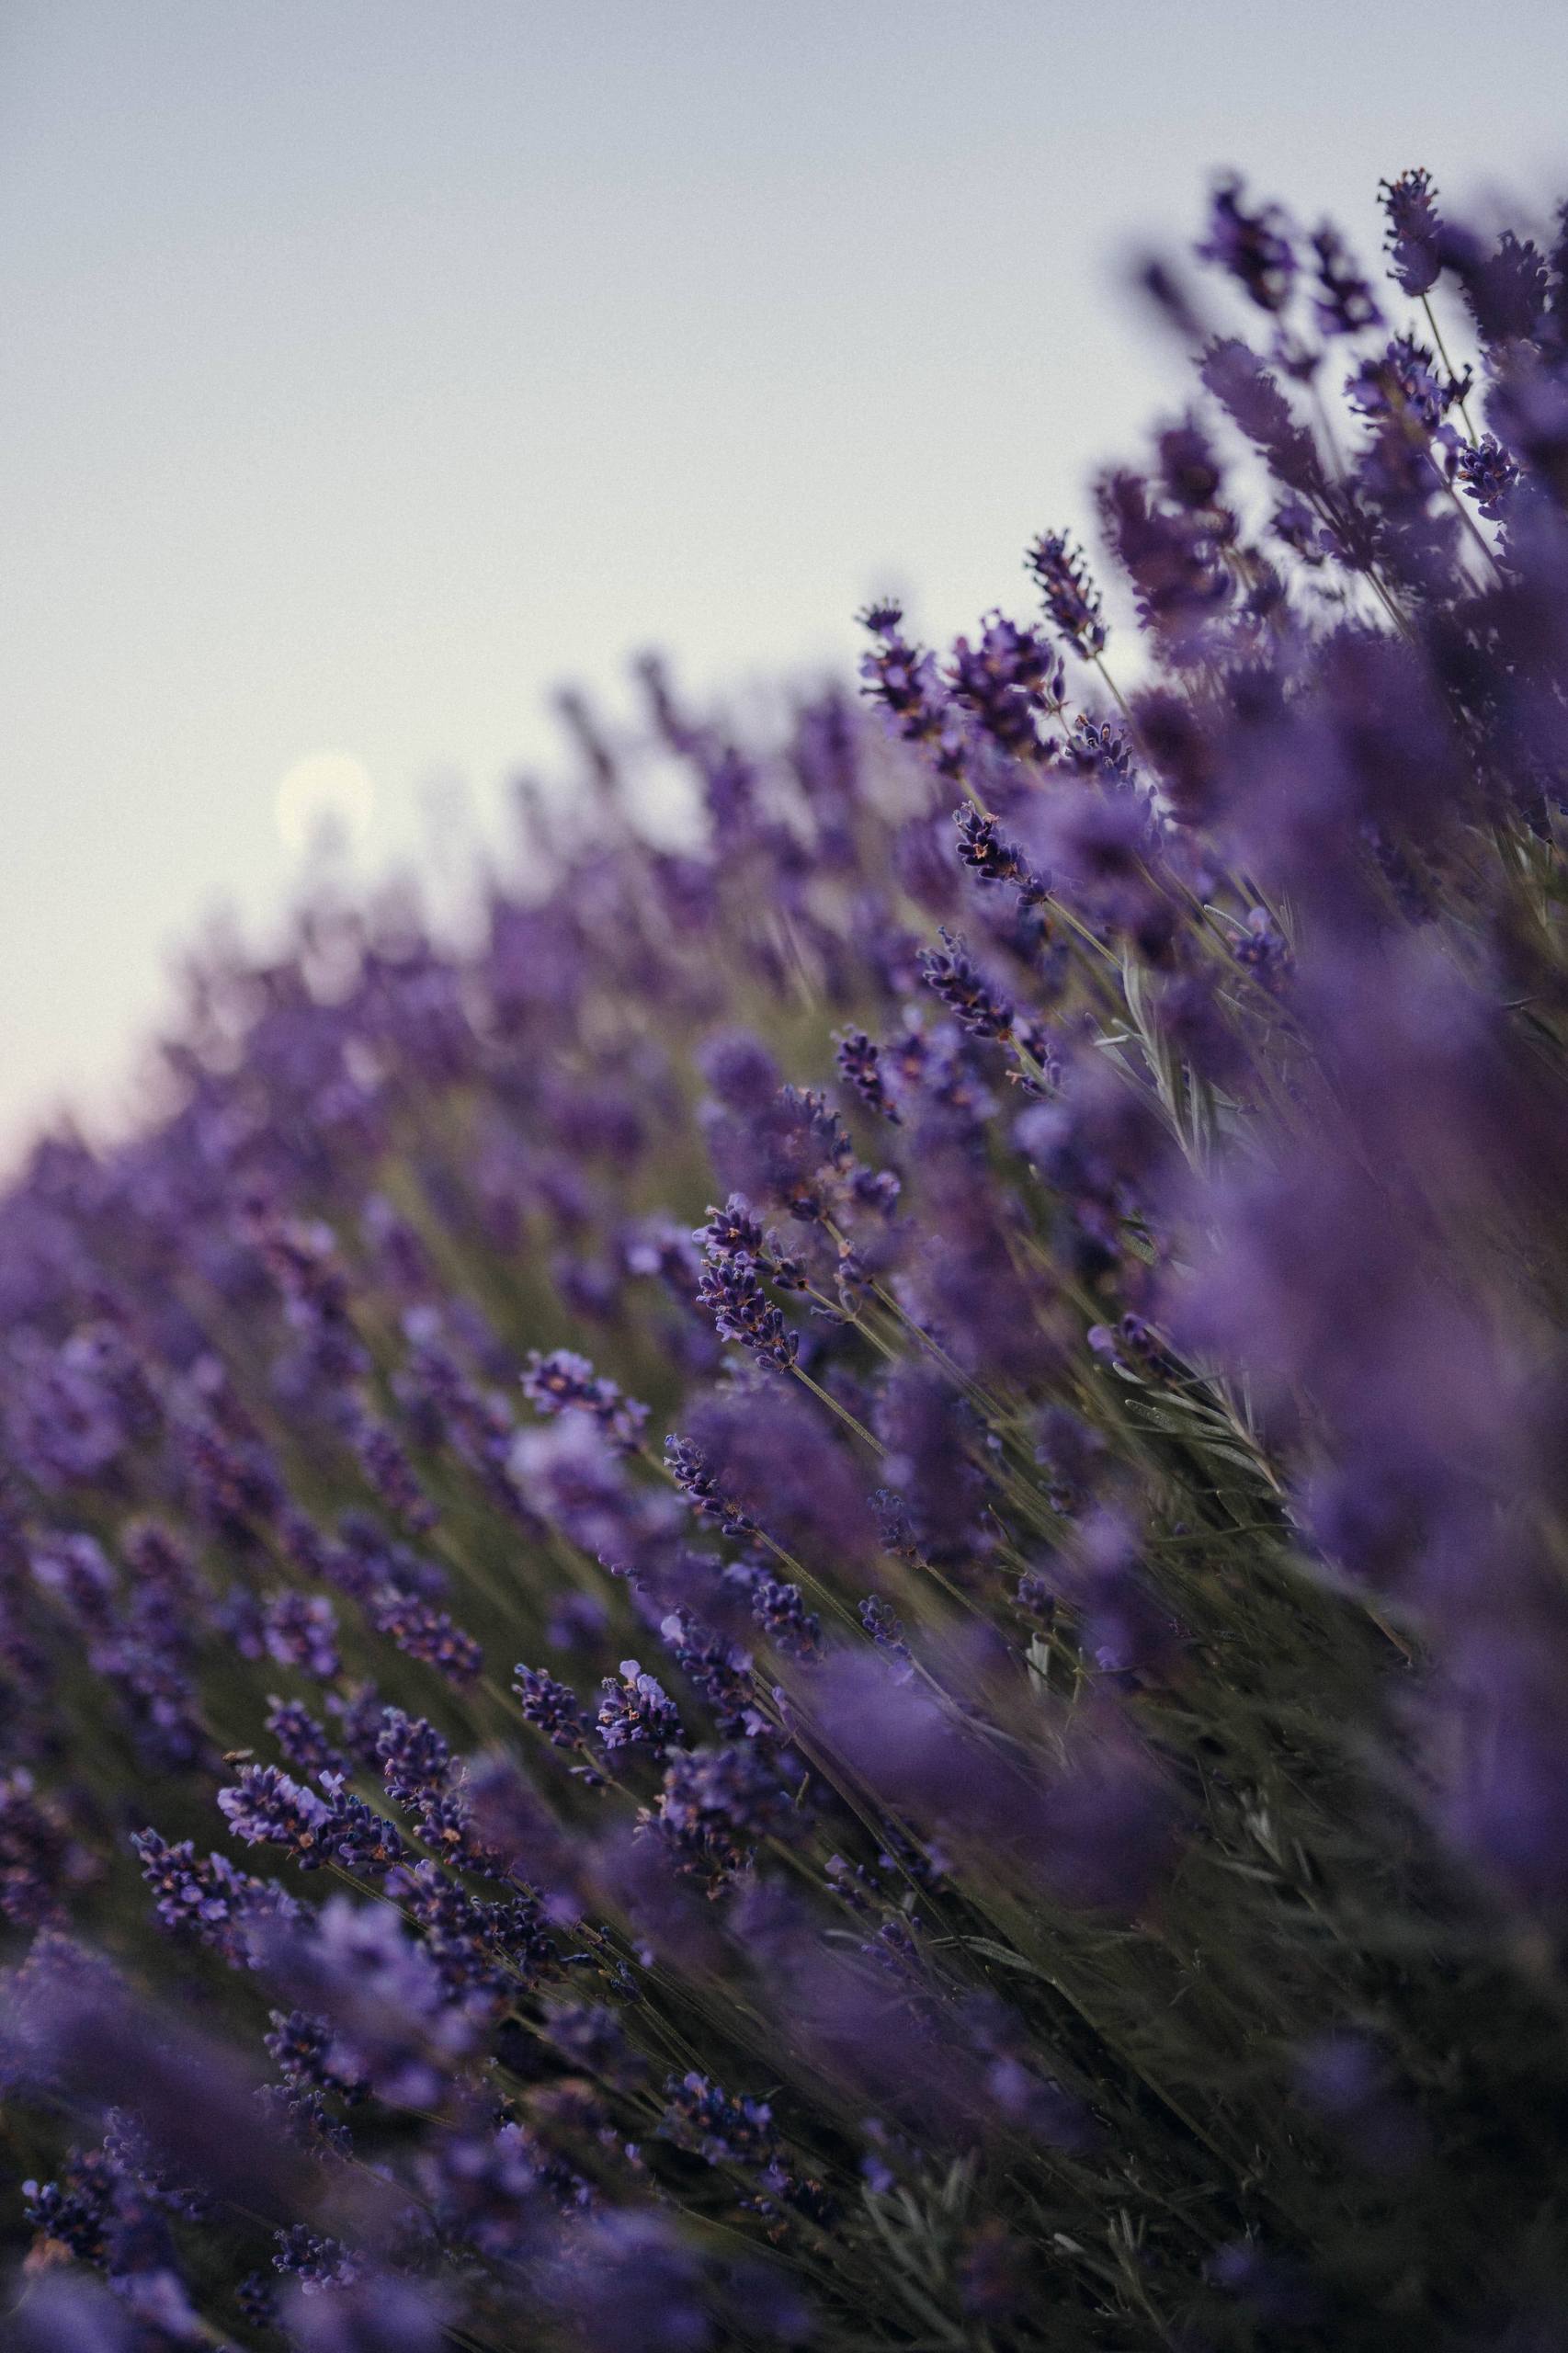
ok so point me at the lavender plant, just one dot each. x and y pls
(823, 1602)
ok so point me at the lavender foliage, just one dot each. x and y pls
(1037, 1814)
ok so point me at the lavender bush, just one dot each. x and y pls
(824, 1603)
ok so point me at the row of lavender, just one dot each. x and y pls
(825, 1602)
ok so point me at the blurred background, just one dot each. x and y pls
(370, 368)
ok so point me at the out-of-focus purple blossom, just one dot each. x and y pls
(717, 1803)
(301, 1630)
(701, 2117)
(430, 1635)
(575, 1478)
(791, 1154)
(1347, 2081)
(777, 1468)
(368, 2312)
(563, 1378)
(1276, 2287)
(317, 2263)
(1343, 303)
(303, 1741)
(1263, 949)
(1506, 289)
(1100, 1834)
(1250, 396)
(628, 2284)
(1255, 248)
(741, 1072)
(1174, 556)
(68, 2313)
(395, 2026)
(387, 1467)
(931, 1466)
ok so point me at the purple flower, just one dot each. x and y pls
(740, 1071)
(731, 1289)
(906, 680)
(716, 1803)
(1347, 2081)
(1070, 600)
(719, 1670)
(859, 1062)
(395, 2026)
(775, 1465)
(993, 860)
(1345, 304)
(303, 1741)
(628, 2285)
(302, 1630)
(266, 1808)
(575, 1478)
(884, 1626)
(1251, 396)
(1414, 230)
(934, 1480)
(206, 1898)
(427, 1634)
(551, 1707)
(689, 1467)
(416, 1760)
(636, 1712)
(1489, 475)
(699, 2117)
(390, 1473)
(66, 2314)
(778, 1607)
(563, 1378)
(315, 2262)
(1254, 247)
(1008, 681)
(952, 974)
(368, 2312)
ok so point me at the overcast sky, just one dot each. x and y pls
(368, 368)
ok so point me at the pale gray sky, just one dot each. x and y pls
(368, 367)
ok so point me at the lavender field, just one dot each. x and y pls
(825, 1602)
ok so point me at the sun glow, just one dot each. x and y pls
(324, 802)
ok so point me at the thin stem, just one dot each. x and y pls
(1122, 704)
(843, 1411)
(1443, 356)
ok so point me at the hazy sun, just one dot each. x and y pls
(326, 800)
